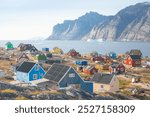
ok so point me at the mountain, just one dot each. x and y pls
(129, 24)
(77, 29)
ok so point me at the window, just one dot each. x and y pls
(37, 68)
(41, 74)
(35, 76)
(101, 86)
(71, 75)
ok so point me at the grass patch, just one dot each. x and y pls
(7, 91)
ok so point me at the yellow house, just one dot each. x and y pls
(105, 83)
(102, 66)
(57, 50)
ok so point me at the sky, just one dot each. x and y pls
(32, 19)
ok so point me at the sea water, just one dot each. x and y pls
(86, 47)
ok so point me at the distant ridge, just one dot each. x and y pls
(129, 24)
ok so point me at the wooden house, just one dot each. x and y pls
(90, 70)
(73, 53)
(105, 83)
(45, 49)
(94, 54)
(102, 66)
(63, 76)
(57, 50)
(112, 55)
(2, 73)
(135, 52)
(29, 71)
(116, 68)
(22, 57)
(40, 57)
(24, 47)
(97, 58)
(81, 62)
(9, 46)
(133, 60)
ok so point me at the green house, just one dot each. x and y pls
(9, 46)
(41, 57)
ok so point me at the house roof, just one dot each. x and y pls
(135, 57)
(26, 67)
(135, 52)
(89, 67)
(72, 50)
(115, 64)
(56, 72)
(8, 43)
(102, 78)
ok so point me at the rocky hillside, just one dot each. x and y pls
(129, 24)
(76, 29)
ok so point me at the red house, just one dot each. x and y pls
(117, 68)
(73, 53)
(97, 58)
(133, 60)
(90, 70)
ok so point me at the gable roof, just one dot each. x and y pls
(135, 52)
(8, 43)
(115, 64)
(56, 72)
(135, 57)
(26, 67)
(102, 78)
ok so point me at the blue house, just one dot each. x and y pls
(29, 71)
(81, 62)
(45, 49)
(63, 76)
(113, 55)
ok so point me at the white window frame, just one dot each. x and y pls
(71, 75)
(34, 76)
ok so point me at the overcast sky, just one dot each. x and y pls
(25, 19)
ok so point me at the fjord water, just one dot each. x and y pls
(86, 47)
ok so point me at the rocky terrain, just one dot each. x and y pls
(130, 24)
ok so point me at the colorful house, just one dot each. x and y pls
(45, 49)
(135, 52)
(9, 46)
(102, 66)
(116, 68)
(105, 83)
(41, 57)
(57, 50)
(133, 60)
(81, 62)
(73, 53)
(90, 70)
(22, 57)
(94, 54)
(63, 76)
(29, 71)
(113, 55)
(97, 58)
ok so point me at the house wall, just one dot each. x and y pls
(23, 77)
(67, 80)
(114, 85)
(87, 86)
(40, 73)
(97, 87)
